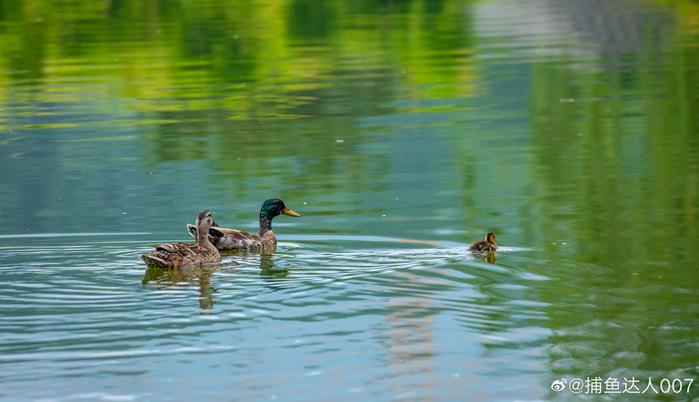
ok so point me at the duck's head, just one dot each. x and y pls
(275, 207)
(204, 221)
(490, 238)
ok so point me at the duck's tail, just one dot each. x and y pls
(213, 233)
(153, 261)
(192, 230)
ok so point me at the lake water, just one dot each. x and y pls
(400, 131)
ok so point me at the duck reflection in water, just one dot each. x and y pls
(491, 257)
(167, 278)
(268, 269)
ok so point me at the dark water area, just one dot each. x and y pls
(401, 131)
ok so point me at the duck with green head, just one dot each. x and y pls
(226, 239)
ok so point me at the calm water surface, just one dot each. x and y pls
(400, 131)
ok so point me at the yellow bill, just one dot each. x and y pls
(290, 212)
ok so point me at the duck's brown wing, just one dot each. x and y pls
(222, 232)
(167, 255)
(176, 255)
(480, 245)
(232, 233)
(182, 249)
(230, 239)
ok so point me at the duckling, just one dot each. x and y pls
(488, 244)
(226, 239)
(179, 255)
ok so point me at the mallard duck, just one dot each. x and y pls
(488, 244)
(233, 239)
(179, 255)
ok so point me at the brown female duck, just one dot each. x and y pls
(233, 239)
(179, 255)
(488, 245)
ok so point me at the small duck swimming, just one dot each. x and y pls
(179, 255)
(488, 245)
(225, 239)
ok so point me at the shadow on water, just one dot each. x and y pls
(179, 277)
(268, 270)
